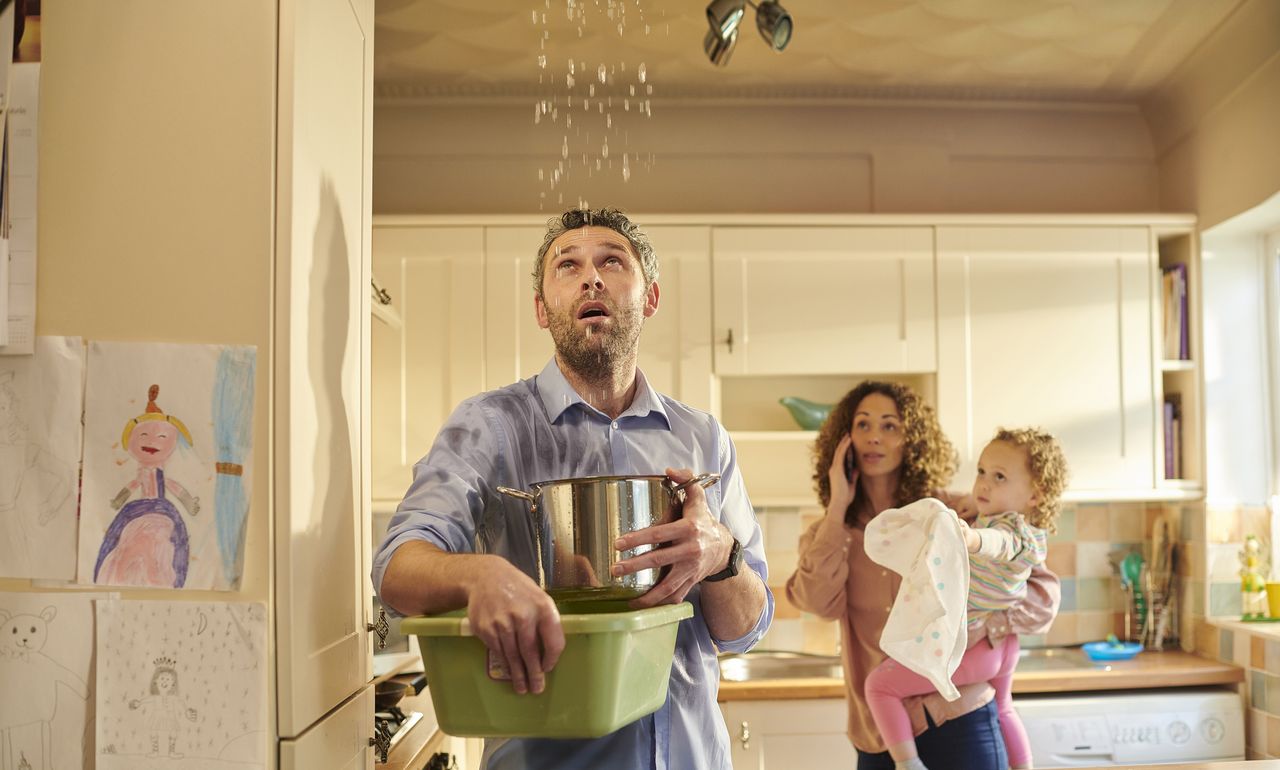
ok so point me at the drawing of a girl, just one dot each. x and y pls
(164, 709)
(146, 544)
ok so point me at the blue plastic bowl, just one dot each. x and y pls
(1109, 651)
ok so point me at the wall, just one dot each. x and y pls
(1213, 121)
(776, 156)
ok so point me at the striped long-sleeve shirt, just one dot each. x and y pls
(998, 572)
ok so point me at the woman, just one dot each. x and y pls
(881, 448)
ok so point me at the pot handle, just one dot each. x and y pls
(516, 493)
(703, 480)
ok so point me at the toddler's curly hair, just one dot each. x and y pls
(1048, 466)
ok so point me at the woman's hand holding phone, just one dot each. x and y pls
(843, 476)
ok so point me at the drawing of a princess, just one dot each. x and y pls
(146, 544)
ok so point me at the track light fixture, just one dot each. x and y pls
(724, 17)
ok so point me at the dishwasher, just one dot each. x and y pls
(1129, 727)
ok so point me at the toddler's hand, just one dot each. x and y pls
(971, 540)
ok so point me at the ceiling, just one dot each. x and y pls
(1082, 50)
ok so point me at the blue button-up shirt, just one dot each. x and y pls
(540, 429)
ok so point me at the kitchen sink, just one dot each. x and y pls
(767, 664)
(1053, 659)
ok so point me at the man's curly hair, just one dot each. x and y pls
(1048, 467)
(928, 458)
(612, 219)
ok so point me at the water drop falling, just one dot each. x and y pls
(640, 72)
(608, 120)
(534, 12)
(571, 66)
(541, 175)
(537, 114)
(626, 169)
(619, 29)
(542, 61)
(568, 80)
(601, 73)
(604, 149)
(568, 120)
(626, 105)
(591, 90)
(601, 106)
(633, 89)
(649, 88)
(646, 29)
(564, 148)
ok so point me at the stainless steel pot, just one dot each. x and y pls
(576, 521)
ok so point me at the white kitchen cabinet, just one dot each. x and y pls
(1050, 326)
(223, 158)
(674, 346)
(784, 734)
(823, 300)
(434, 360)
(339, 741)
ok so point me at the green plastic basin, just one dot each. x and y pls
(614, 669)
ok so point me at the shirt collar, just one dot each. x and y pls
(558, 395)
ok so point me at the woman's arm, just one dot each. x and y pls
(1034, 614)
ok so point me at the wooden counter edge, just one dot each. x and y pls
(1173, 668)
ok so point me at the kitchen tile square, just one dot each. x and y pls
(1091, 559)
(1223, 524)
(1240, 656)
(1207, 640)
(1223, 560)
(1093, 593)
(1258, 652)
(784, 530)
(1226, 644)
(1258, 690)
(1093, 626)
(1273, 736)
(1093, 522)
(1128, 522)
(1273, 693)
(784, 635)
(1273, 656)
(1195, 590)
(1065, 630)
(1066, 525)
(821, 637)
(783, 609)
(1068, 586)
(1256, 730)
(781, 563)
(1061, 559)
(1224, 599)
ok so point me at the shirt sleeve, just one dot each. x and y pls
(446, 499)
(1008, 538)
(822, 570)
(738, 516)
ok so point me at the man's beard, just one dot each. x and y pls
(595, 353)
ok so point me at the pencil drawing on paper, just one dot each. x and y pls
(26, 732)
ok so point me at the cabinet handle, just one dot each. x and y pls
(381, 628)
(381, 742)
(745, 736)
(729, 341)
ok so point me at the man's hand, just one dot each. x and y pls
(693, 546)
(511, 615)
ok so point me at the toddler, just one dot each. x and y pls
(1021, 475)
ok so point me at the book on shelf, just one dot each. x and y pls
(1172, 437)
(1174, 304)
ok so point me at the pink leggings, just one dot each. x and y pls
(890, 682)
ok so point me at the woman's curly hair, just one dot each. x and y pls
(1048, 466)
(928, 458)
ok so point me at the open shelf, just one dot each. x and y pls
(1179, 416)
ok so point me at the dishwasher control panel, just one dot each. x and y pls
(1127, 728)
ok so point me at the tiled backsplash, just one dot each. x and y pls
(1080, 554)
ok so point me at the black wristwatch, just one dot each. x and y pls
(735, 562)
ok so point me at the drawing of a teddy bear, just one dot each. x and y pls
(28, 670)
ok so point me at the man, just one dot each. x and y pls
(455, 542)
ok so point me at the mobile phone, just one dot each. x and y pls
(850, 464)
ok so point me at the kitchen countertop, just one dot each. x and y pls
(1257, 764)
(1171, 668)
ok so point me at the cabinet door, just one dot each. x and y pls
(784, 734)
(1050, 326)
(340, 741)
(321, 583)
(824, 300)
(433, 361)
(676, 341)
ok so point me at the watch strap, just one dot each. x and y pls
(730, 570)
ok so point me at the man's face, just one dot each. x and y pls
(594, 299)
